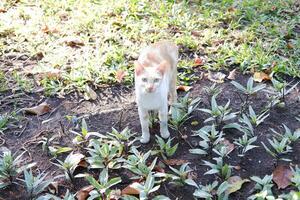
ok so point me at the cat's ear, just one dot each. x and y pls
(138, 68)
(162, 67)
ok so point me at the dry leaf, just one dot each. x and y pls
(216, 77)
(74, 42)
(282, 176)
(175, 162)
(237, 167)
(83, 163)
(232, 75)
(229, 146)
(129, 190)
(53, 187)
(2, 10)
(289, 45)
(198, 61)
(196, 33)
(90, 94)
(231, 9)
(48, 30)
(261, 76)
(41, 109)
(235, 184)
(83, 193)
(120, 74)
(184, 88)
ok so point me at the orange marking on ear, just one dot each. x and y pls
(138, 68)
(163, 67)
(152, 56)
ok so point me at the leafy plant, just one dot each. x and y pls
(292, 136)
(137, 163)
(279, 148)
(281, 89)
(102, 186)
(248, 91)
(212, 90)
(264, 186)
(219, 114)
(245, 144)
(3, 123)
(70, 164)
(165, 148)
(296, 177)
(147, 188)
(10, 168)
(103, 155)
(212, 191)
(67, 196)
(257, 119)
(51, 149)
(35, 184)
(220, 168)
(210, 138)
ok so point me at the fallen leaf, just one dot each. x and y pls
(120, 74)
(41, 109)
(175, 162)
(83, 163)
(198, 61)
(229, 146)
(74, 42)
(83, 193)
(130, 190)
(235, 183)
(261, 76)
(231, 9)
(184, 88)
(2, 10)
(282, 176)
(90, 94)
(48, 30)
(159, 169)
(53, 187)
(237, 167)
(38, 56)
(232, 75)
(289, 45)
(215, 77)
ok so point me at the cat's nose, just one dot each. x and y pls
(150, 89)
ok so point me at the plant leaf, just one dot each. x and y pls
(41, 109)
(235, 183)
(282, 176)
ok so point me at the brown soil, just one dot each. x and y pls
(115, 107)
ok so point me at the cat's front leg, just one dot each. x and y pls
(163, 117)
(144, 120)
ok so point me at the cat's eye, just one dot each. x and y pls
(156, 80)
(144, 79)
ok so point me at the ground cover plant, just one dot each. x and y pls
(69, 127)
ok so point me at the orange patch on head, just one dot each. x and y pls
(162, 67)
(151, 56)
(138, 68)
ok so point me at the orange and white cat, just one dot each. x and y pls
(155, 80)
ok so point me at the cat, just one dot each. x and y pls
(155, 79)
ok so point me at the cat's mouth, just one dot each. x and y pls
(150, 90)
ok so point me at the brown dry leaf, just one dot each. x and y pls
(41, 109)
(261, 76)
(175, 162)
(120, 74)
(232, 75)
(229, 146)
(83, 193)
(184, 88)
(48, 30)
(83, 163)
(236, 183)
(53, 187)
(196, 33)
(289, 45)
(129, 190)
(216, 77)
(74, 42)
(282, 176)
(231, 9)
(90, 94)
(159, 169)
(2, 10)
(198, 61)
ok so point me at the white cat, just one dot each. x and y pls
(155, 79)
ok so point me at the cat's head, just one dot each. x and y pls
(149, 78)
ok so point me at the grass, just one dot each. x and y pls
(86, 42)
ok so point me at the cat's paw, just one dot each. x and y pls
(165, 134)
(144, 140)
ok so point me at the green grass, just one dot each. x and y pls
(250, 35)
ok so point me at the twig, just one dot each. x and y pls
(25, 126)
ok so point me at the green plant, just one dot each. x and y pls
(264, 186)
(281, 89)
(245, 144)
(67, 196)
(137, 163)
(35, 184)
(219, 114)
(212, 191)
(280, 148)
(70, 164)
(147, 188)
(103, 154)
(3, 123)
(83, 135)
(257, 119)
(292, 136)
(296, 177)
(10, 168)
(210, 138)
(248, 91)
(103, 185)
(165, 148)
(212, 90)
(220, 168)
(51, 149)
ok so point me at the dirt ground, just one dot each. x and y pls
(115, 107)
